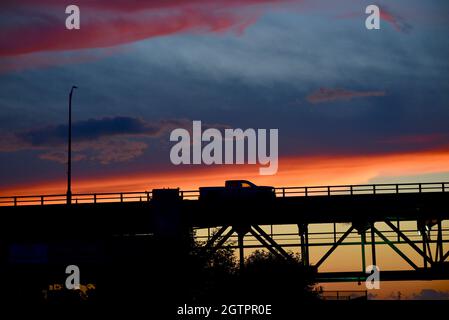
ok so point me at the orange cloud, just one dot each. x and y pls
(294, 171)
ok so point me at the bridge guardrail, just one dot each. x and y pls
(194, 194)
(363, 189)
(344, 295)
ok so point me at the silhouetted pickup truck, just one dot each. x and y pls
(237, 190)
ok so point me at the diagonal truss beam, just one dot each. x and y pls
(445, 256)
(408, 241)
(332, 249)
(225, 238)
(215, 237)
(271, 241)
(265, 243)
(399, 252)
(211, 246)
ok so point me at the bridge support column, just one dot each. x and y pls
(439, 249)
(241, 250)
(362, 227)
(304, 238)
(425, 226)
(373, 245)
(424, 246)
(241, 232)
(363, 241)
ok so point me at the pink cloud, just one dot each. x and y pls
(330, 95)
(394, 20)
(111, 23)
(34, 35)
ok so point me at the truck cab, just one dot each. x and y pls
(237, 190)
(239, 184)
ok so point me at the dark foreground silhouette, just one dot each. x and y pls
(157, 275)
(162, 273)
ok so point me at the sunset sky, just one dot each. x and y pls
(352, 106)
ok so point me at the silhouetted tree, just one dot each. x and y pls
(266, 278)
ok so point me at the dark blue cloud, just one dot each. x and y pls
(94, 129)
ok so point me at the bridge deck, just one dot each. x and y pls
(100, 216)
(139, 217)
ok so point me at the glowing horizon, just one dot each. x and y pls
(293, 171)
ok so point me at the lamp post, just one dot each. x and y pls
(69, 151)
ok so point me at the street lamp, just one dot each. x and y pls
(69, 155)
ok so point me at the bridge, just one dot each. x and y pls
(411, 219)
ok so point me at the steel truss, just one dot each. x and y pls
(434, 265)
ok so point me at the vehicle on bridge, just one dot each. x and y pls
(237, 190)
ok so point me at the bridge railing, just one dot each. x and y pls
(190, 194)
(344, 295)
(194, 194)
(78, 198)
(362, 189)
